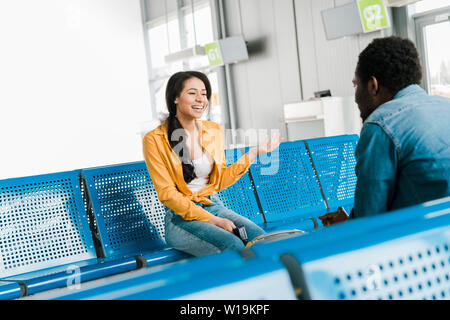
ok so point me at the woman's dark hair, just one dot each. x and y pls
(393, 61)
(178, 140)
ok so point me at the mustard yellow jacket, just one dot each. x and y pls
(166, 172)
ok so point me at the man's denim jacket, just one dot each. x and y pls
(403, 155)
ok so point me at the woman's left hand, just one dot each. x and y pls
(266, 147)
(269, 146)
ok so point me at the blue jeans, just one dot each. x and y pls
(201, 238)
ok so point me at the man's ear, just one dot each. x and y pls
(372, 86)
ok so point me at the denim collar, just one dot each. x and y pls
(409, 90)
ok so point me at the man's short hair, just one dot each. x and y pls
(393, 61)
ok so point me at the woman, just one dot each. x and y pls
(186, 161)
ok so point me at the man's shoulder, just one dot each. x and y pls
(388, 110)
(408, 103)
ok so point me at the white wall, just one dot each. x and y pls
(270, 78)
(327, 64)
(296, 58)
(73, 85)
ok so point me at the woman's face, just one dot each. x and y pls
(192, 100)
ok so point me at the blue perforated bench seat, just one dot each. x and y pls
(83, 271)
(178, 270)
(351, 232)
(253, 279)
(119, 205)
(72, 274)
(304, 180)
(127, 214)
(45, 232)
(280, 191)
(352, 228)
(334, 162)
(220, 276)
(403, 261)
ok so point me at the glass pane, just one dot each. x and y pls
(215, 109)
(203, 26)
(438, 57)
(203, 32)
(158, 34)
(164, 39)
(426, 5)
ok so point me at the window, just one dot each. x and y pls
(438, 57)
(432, 32)
(186, 26)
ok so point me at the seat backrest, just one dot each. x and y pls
(240, 197)
(286, 183)
(129, 218)
(220, 276)
(252, 279)
(334, 159)
(130, 283)
(402, 261)
(351, 229)
(43, 223)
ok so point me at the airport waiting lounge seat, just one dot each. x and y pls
(401, 254)
(126, 214)
(217, 276)
(334, 161)
(409, 261)
(315, 257)
(46, 241)
(294, 185)
(287, 188)
(119, 205)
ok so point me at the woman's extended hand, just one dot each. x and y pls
(266, 147)
(223, 223)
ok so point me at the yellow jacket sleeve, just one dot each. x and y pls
(227, 176)
(231, 174)
(168, 194)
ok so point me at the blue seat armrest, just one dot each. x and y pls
(10, 290)
(77, 274)
(304, 224)
(163, 256)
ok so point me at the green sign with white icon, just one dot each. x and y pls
(373, 14)
(214, 54)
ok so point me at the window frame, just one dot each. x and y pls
(183, 11)
(421, 21)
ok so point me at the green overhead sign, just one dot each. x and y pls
(214, 54)
(373, 14)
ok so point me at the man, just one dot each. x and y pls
(403, 155)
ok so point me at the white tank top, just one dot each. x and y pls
(202, 169)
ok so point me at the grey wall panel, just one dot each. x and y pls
(287, 54)
(307, 47)
(327, 64)
(271, 77)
